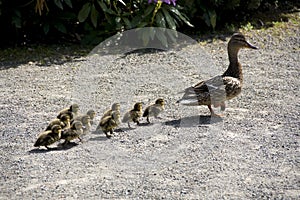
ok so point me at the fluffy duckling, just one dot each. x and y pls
(47, 138)
(72, 111)
(73, 132)
(86, 122)
(155, 109)
(114, 107)
(64, 122)
(92, 115)
(217, 90)
(109, 123)
(134, 114)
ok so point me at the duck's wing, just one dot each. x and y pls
(146, 112)
(233, 86)
(201, 93)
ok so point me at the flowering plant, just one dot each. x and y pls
(120, 16)
(164, 1)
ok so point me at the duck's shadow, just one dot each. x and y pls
(59, 147)
(193, 121)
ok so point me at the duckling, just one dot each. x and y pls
(72, 111)
(47, 138)
(75, 131)
(217, 90)
(64, 122)
(114, 107)
(134, 114)
(109, 123)
(86, 122)
(92, 115)
(155, 109)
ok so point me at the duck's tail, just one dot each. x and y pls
(189, 98)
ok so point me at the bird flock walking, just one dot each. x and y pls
(70, 125)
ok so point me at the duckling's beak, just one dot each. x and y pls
(250, 46)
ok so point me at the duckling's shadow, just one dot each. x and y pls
(60, 147)
(193, 121)
(99, 138)
(146, 124)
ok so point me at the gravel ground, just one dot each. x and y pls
(252, 152)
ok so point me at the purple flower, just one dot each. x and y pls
(164, 1)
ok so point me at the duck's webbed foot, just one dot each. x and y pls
(213, 114)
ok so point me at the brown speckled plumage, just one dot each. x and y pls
(217, 90)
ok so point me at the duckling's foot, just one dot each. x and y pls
(108, 135)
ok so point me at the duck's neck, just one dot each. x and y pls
(235, 68)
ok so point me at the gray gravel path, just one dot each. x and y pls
(251, 153)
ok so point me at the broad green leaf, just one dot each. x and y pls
(16, 19)
(145, 37)
(169, 19)
(94, 16)
(213, 18)
(149, 10)
(160, 20)
(102, 5)
(162, 38)
(118, 19)
(58, 4)
(60, 27)
(127, 23)
(84, 12)
(46, 28)
(173, 35)
(175, 11)
(143, 24)
(152, 33)
(136, 21)
(122, 2)
(69, 3)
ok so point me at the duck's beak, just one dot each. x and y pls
(249, 45)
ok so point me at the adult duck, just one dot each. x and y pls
(217, 90)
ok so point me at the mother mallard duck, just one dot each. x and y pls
(217, 90)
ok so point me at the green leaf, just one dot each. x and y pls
(127, 23)
(94, 16)
(145, 37)
(152, 32)
(149, 10)
(118, 19)
(160, 20)
(169, 19)
(46, 28)
(122, 2)
(162, 38)
(60, 27)
(136, 21)
(58, 4)
(69, 3)
(212, 18)
(183, 18)
(172, 35)
(102, 5)
(16, 19)
(84, 12)
(143, 24)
